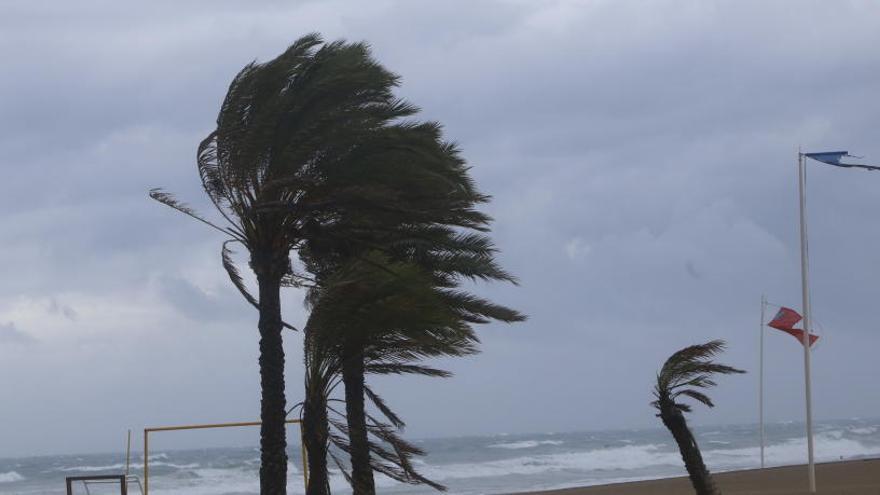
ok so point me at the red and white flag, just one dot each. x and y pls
(785, 320)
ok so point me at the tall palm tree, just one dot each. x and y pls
(293, 156)
(682, 375)
(432, 221)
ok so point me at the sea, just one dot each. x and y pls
(470, 465)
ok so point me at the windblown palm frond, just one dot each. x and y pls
(392, 455)
(689, 369)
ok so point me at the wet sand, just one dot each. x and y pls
(859, 477)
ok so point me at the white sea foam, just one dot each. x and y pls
(116, 467)
(828, 447)
(616, 458)
(646, 456)
(89, 469)
(867, 430)
(10, 477)
(836, 434)
(525, 444)
(213, 481)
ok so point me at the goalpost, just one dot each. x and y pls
(147, 432)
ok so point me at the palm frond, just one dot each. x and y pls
(387, 368)
(391, 454)
(698, 396)
(383, 407)
(170, 201)
(238, 282)
(235, 275)
(689, 369)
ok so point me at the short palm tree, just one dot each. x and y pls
(362, 300)
(374, 315)
(683, 374)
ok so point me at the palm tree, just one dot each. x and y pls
(358, 299)
(430, 220)
(382, 317)
(439, 324)
(293, 159)
(436, 240)
(682, 374)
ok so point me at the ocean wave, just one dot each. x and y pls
(829, 446)
(525, 444)
(211, 481)
(865, 430)
(10, 477)
(476, 465)
(116, 467)
(836, 434)
(90, 469)
(609, 459)
(651, 456)
(175, 466)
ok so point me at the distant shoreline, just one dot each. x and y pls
(850, 477)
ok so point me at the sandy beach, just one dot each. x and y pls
(860, 477)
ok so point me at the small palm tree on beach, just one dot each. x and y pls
(682, 375)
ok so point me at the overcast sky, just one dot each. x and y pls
(641, 156)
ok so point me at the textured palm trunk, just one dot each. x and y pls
(700, 477)
(353, 378)
(315, 436)
(273, 441)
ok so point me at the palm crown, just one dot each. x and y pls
(685, 372)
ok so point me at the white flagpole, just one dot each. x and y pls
(802, 180)
(761, 379)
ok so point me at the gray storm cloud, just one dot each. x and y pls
(641, 157)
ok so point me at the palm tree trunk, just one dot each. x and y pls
(353, 378)
(273, 440)
(316, 427)
(315, 436)
(700, 477)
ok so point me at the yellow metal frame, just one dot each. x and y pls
(147, 432)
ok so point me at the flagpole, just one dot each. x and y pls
(761, 379)
(802, 180)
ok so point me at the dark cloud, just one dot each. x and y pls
(58, 308)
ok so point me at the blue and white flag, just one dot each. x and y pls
(834, 157)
